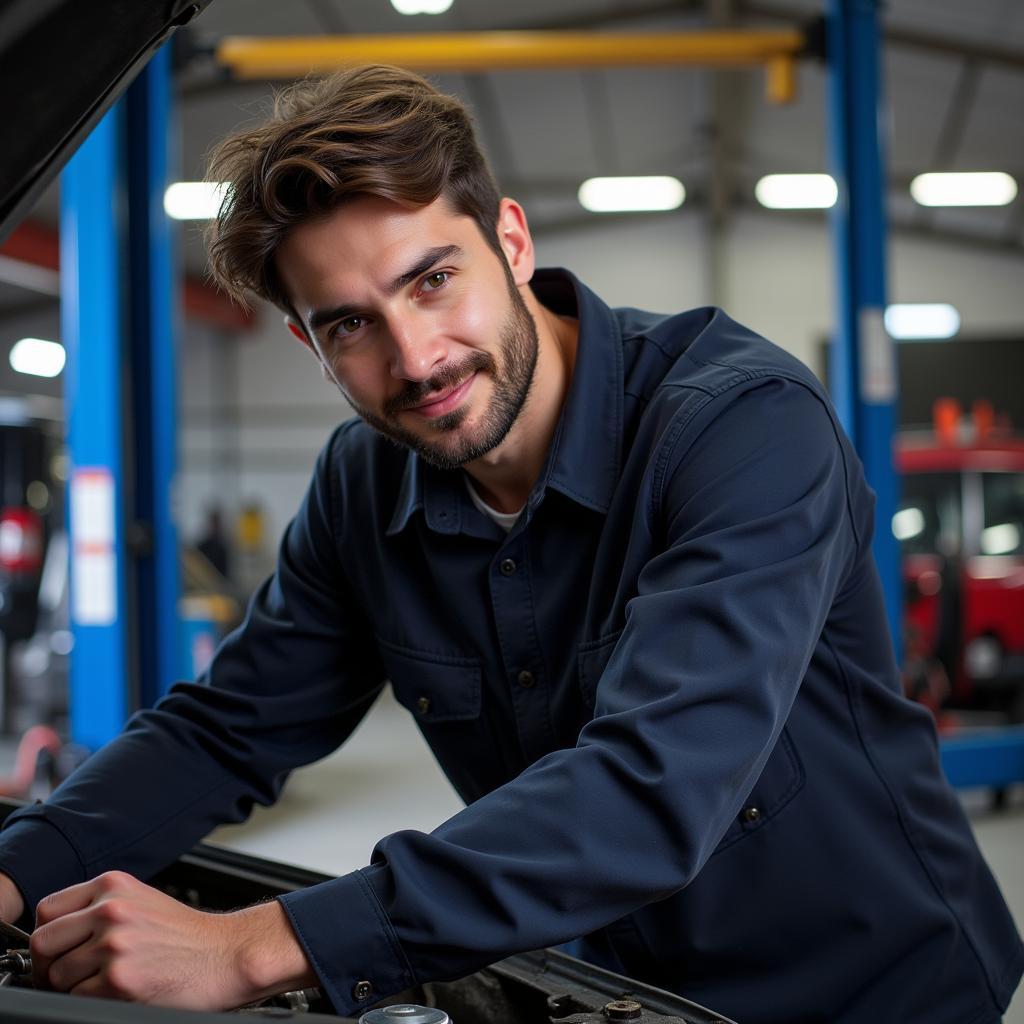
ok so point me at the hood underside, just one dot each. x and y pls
(63, 64)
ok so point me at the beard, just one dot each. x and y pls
(451, 442)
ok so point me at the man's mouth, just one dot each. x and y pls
(445, 401)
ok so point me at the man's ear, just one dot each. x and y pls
(516, 242)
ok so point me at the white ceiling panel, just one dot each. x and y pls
(792, 136)
(996, 22)
(994, 134)
(919, 90)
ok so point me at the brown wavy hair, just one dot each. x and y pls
(376, 130)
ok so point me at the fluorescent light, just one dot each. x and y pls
(797, 191)
(978, 188)
(906, 321)
(622, 195)
(421, 6)
(907, 523)
(194, 200)
(37, 357)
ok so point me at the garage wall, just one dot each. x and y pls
(255, 411)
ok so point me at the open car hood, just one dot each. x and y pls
(63, 63)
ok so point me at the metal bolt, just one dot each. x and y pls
(17, 961)
(623, 1009)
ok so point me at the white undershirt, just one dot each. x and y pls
(506, 520)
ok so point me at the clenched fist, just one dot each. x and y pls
(117, 937)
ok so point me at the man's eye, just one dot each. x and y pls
(351, 324)
(432, 282)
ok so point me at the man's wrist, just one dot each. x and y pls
(12, 903)
(267, 953)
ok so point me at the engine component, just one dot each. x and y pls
(405, 1013)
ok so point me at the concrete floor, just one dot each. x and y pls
(384, 779)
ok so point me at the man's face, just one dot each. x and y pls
(417, 321)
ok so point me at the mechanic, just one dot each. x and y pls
(618, 566)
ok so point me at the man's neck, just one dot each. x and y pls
(505, 476)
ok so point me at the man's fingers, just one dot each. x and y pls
(75, 897)
(55, 939)
(67, 919)
(94, 986)
(62, 935)
(70, 970)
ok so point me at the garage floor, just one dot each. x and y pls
(384, 779)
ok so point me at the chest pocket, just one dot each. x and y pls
(434, 687)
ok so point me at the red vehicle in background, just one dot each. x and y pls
(960, 524)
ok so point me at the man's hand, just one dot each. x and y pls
(116, 937)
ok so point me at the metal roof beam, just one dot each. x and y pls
(257, 57)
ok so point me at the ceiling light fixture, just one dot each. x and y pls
(911, 321)
(631, 195)
(797, 191)
(976, 188)
(37, 357)
(194, 200)
(421, 6)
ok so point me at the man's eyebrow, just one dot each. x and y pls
(436, 255)
(321, 317)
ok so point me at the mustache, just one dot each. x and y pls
(417, 392)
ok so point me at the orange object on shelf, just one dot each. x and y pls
(946, 416)
(984, 415)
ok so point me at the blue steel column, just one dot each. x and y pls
(154, 312)
(92, 328)
(863, 364)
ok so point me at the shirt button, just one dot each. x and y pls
(362, 990)
(751, 815)
(423, 705)
(507, 567)
(526, 678)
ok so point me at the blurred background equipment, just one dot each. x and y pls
(960, 525)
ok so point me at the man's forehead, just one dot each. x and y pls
(364, 245)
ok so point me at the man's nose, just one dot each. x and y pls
(417, 350)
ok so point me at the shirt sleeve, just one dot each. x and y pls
(283, 690)
(751, 502)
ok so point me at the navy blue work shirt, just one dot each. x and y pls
(668, 697)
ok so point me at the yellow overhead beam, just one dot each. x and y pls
(295, 56)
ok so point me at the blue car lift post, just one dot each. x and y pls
(863, 365)
(118, 314)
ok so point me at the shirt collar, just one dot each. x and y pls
(584, 460)
(586, 452)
